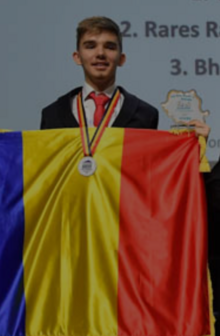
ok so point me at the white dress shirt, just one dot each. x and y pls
(89, 104)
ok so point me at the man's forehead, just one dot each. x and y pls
(102, 36)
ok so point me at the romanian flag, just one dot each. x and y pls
(120, 253)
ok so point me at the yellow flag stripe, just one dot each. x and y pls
(68, 278)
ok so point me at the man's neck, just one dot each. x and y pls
(107, 89)
(100, 86)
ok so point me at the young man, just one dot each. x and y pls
(99, 52)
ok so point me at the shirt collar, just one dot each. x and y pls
(87, 89)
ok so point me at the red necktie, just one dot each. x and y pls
(100, 102)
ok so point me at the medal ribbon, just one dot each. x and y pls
(89, 147)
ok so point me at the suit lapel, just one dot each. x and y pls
(65, 109)
(128, 109)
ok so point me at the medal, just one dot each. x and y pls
(87, 166)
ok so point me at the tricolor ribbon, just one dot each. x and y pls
(89, 147)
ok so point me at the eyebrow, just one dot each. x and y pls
(109, 43)
(88, 41)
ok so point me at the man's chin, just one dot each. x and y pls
(101, 78)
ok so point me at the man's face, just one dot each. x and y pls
(99, 54)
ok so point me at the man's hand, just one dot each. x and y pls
(200, 127)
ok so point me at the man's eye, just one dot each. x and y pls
(111, 46)
(89, 46)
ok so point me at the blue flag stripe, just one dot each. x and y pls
(12, 299)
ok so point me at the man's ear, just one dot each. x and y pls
(77, 58)
(122, 59)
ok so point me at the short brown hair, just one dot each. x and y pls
(97, 24)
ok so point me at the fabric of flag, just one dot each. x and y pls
(122, 252)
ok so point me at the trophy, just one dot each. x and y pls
(183, 107)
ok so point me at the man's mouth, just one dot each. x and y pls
(100, 65)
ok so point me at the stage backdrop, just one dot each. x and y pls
(170, 45)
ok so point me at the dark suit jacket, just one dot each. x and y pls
(135, 113)
(213, 188)
(212, 182)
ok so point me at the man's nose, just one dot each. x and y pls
(101, 51)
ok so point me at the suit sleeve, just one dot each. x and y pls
(155, 119)
(50, 118)
(43, 123)
(213, 189)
